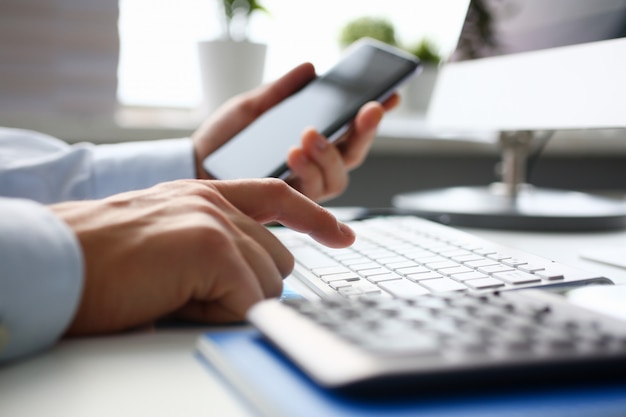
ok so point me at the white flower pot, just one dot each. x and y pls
(415, 94)
(228, 68)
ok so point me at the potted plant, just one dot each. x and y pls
(417, 92)
(236, 16)
(373, 27)
(233, 63)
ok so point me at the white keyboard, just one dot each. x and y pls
(405, 256)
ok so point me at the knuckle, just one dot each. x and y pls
(200, 206)
(213, 236)
(207, 199)
(276, 188)
(273, 190)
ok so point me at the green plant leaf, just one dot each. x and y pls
(372, 27)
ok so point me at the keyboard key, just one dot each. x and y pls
(457, 253)
(412, 270)
(513, 262)
(442, 284)
(424, 275)
(492, 269)
(363, 267)
(481, 262)
(405, 263)
(484, 283)
(330, 270)
(455, 270)
(347, 276)
(530, 268)
(346, 256)
(441, 264)
(376, 253)
(485, 251)
(367, 287)
(390, 276)
(470, 246)
(312, 258)
(381, 270)
(355, 261)
(338, 253)
(498, 256)
(429, 259)
(468, 275)
(467, 258)
(550, 274)
(412, 252)
(403, 288)
(444, 250)
(388, 262)
(349, 291)
(517, 277)
(335, 285)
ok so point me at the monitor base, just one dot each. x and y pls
(530, 209)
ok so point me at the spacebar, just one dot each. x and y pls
(311, 258)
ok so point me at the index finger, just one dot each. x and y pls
(271, 199)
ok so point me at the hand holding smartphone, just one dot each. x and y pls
(369, 70)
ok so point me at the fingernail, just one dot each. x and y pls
(346, 230)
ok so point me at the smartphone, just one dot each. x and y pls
(369, 70)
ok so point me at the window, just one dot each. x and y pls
(158, 64)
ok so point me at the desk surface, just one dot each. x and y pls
(155, 373)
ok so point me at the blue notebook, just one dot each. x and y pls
(273, 387)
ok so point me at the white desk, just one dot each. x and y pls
(155, 374)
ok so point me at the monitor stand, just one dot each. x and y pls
(513, 203)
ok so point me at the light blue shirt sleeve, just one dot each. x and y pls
(41, 271)
(45, 169)
(41, 277)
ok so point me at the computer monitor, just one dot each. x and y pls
(526, 68)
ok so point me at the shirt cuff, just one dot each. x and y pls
(137, 165)
(41, 280)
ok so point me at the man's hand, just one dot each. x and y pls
(197, 249)
(320, 169)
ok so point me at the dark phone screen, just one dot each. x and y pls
(327, 103)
